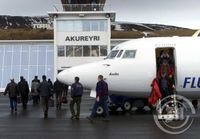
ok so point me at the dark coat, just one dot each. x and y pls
(58, 87)
(23, 88)
(102, 88)
(44, 89)
(11, 89)
(76, 89)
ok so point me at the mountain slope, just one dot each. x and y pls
(21, 28)
(13, 22)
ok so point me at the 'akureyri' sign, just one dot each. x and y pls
(82, 38)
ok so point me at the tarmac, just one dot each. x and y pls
(30, 124)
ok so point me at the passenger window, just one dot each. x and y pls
(129, 54)
(112, 54)
(120, 53)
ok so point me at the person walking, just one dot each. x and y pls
(11, 90)
(23, 90)
(36, 79)
(45, 93)
(101, 99)
(34, 90)
(76, 95)
(58, 90)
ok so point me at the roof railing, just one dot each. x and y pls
(80, 7)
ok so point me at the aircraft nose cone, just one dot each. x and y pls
(65, 77)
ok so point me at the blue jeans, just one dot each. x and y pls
(13, 103)
(165, 92)
(103, 102)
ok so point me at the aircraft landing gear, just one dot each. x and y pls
(174, 114)
(99, 110)
(127, 106)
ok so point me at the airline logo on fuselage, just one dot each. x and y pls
(191, 82)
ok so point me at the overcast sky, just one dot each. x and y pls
(183, 13)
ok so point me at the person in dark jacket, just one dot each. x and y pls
(11, 90)
(51, 86)
(58, 90)
(23, 90)
(76, 94)
(101, 98)
(45, 93)
(36, 79)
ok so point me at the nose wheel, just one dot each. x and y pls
(99, 110)
(127, 106)
(174, 114)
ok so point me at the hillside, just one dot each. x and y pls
(22, 28)
(137, 30)
(25, 22)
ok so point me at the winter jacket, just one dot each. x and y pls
(11, 89)
(101, 89)
(44, 89)
(76, 90)
(23, 88)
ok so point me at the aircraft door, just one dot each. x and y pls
(166, 69)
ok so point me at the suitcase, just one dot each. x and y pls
(64, 99)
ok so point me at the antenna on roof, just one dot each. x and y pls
(196, 34)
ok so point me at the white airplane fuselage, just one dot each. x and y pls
(133, 76)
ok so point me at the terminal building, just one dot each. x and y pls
(82, 34)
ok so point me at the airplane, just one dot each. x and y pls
(131, 66)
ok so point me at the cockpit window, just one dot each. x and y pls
(112, 54)
(129, 54)
(120, 53)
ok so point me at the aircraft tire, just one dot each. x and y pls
(99, 110)
(127, 106)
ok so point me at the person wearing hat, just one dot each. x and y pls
(11, 90)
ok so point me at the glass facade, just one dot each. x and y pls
(25, 59)
(82, 25)
(82, 51)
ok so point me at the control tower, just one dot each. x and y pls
(82, 32)
(87, 5)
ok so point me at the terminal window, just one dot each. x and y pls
(68, 51)
(61, 51)
(82, 25)
(95, 51)
(78, 51)
(86, 50)
(82, 51)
